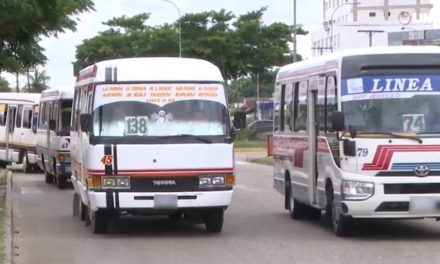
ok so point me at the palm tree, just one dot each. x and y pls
(38, 81)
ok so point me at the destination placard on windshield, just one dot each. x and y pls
(159, 94)
(385, 87)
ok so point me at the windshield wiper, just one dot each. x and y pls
(413, 137)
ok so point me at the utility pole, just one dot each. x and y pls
(294, 30)
(370, 34)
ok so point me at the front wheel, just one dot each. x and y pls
(99, 221)
(61, 182)
(214, 220)
(341, 223)
(48, 177)
(27, 168)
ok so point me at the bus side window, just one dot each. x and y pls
(19, 114)
(27, 117)
(3, 109)
(331, 103)
(277, 108)
(75, 110)
(41, 115)
(283, 107)
(288, 108)
(320, 104)
(301, 107)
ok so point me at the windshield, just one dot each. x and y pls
(397, 103)
(65, 115)
(162, 114)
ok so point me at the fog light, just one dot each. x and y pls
(108, 182)
(353, 190)
(123, 182)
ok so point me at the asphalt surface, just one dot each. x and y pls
(256, 230)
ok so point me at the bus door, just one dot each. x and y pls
(312, 97)
(10, 128)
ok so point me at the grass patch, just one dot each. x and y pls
(3, 177)
(249, 144)
(263, 161)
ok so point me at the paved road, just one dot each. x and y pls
(256, 230)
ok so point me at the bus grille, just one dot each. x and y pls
(412, 188)
(164, 184)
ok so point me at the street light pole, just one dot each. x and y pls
(331, 21)
(370, 35)
(294, 30)
(180, 26)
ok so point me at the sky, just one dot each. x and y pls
(61, 51)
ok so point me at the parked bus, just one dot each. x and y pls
(17, 137)
(151, 135)
(53, 132)
(357, 134)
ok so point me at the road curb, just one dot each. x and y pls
(8, 220)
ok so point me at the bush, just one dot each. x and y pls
(245, 134)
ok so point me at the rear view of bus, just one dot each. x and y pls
(151, 136)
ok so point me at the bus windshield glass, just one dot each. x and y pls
(392, 103)
(65, 115)
(166, 110)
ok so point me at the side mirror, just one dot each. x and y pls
(233, 133)
(86, 122)
(52, 124)
(338, 121)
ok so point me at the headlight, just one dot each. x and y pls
(207, 181)
(115, 182)
(353, 190)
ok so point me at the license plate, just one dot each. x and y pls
(165, 201)
(424, 205)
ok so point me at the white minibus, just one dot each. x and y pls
(53, 132)
(17, 135)
(151, 136)
(357, 134)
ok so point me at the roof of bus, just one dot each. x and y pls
(152, 69)
(20, 97)
(57, 93)
(336, 57)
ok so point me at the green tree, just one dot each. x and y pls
(23, 22)
(4, 85)
(38, 82)
(243, 48)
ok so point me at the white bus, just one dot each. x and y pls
(151, 135)
(357, 134)
(17, 134)
(53, 132)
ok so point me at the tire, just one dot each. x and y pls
(99, 221)
(27, 168)
(61, 182)
(341, 223)
(314, 213)
(3, 164)
(75, 205)
(49, 178)
(296, 209)
(176, 216)
(214, 220)
(82, 210)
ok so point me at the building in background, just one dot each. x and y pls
(355, 24)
